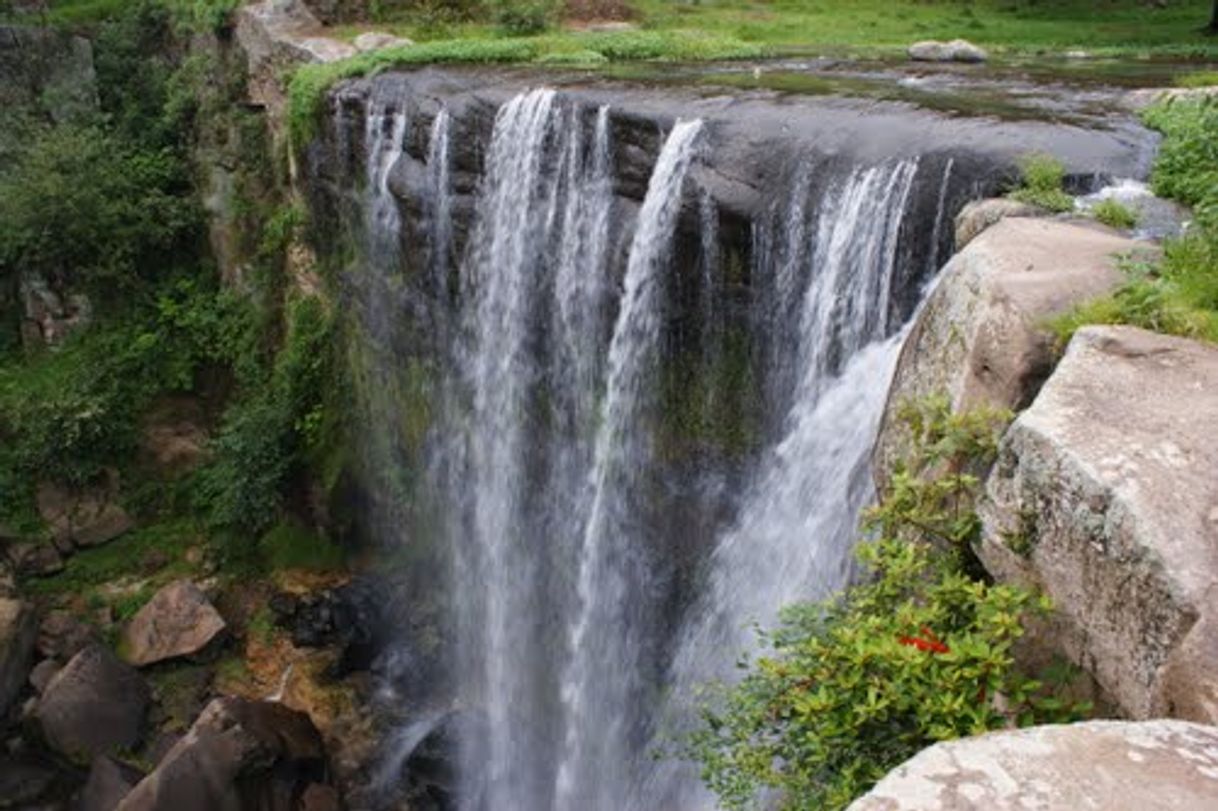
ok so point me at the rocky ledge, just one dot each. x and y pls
(1104, 496)
(1150, 766)
(982, 337)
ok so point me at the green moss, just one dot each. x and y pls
(291, 546)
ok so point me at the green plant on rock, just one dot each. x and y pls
(918, 651)
(272, 430)
(1043, 177)
(1115, 214)
(1177, 293)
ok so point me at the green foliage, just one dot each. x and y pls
(85, 207)
(273, 428)
(1186, 168)
(1043, 176)
(291, 546)
(917, 652)
(306, 92)
(1115, 214)
(523, 17)
(1177, 294)
(1200, 78)
(66, 415)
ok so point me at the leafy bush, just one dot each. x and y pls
(1114, 214)
(1043, 176)
(523, 17)
(918, 652)
(1186, 168)
(270, 431)
(85, 207)
(68, 414)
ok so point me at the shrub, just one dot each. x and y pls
(85, 207)
(68, 414)
(1186, 168)
(1043, 177)
(523, 17)
(270, 430)
(1114, 214)
(918, 652)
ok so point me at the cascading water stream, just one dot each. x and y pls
(540, 458)
(603, 639)
(795, 531)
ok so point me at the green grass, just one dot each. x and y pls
(1201, 78)
(88, 569)
(1043, 177)
(306, 92)
(1115, 214)
(1177, 295)
(1009, 25)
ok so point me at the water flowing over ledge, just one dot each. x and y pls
(622, 375)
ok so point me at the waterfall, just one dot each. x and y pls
(794, 535)
(384, 138)
(501, 576)
(440, 198)
(604, 638)
(544, 480)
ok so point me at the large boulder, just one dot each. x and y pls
(1103, 765)
(177, 621)
(85, 518)
(1105, 497)
(109, 782)
(981, 338)
(240, 755)
(18, 630)
(95, 706)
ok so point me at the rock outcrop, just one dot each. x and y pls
(1105, 497)
(18, 630)
(958, 50)
(95, 706)
(981, 337)
(1114, 766)
(177, 621)
(981, 214)
(277, 35)
(108, 783)
(240, 755)
(84, 518)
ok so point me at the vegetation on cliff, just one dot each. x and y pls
(921, 650)
(1178, 294)
(110, 205)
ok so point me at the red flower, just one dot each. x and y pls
(926, 642)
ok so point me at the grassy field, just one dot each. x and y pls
(1127, 27)
(1133, 27)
